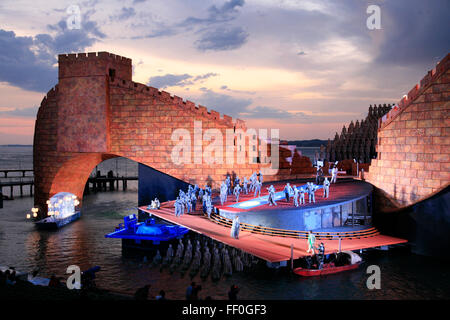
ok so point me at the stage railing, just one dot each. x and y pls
(344, 235)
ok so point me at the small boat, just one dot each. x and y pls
(147, 235)
(53, 222)
(330, 268)
(62, 210)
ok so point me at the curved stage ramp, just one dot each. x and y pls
(274, 246)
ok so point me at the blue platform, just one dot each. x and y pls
(148, 230)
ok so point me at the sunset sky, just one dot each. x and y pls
(305, 67)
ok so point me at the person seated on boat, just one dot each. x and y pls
(309, 262)
(320, 255)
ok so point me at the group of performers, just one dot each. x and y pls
(246, 185)
(187, 201)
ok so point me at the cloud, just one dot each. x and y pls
(169, 80)
(178, 80)
(223, 103)
(226, 12)
(22, 67)
(222, 38)
(125, 13)
(21, 113)
(415, 32)
(205, 76)
(28, 62)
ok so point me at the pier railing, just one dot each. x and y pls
(344, 235)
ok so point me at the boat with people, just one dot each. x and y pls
(346, 260)
(147, 235)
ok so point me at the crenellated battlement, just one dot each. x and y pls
(185, 104)
(94, 64)
(93, 56)
(417, 90)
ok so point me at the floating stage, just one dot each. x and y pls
(268, 232)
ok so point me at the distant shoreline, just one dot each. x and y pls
(16, 145)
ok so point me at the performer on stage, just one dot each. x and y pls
(271, 199)
(235, 228)
(257, 189)
(245, 185)
(311, 240)
(296, 195)
(311, 191)
(228, 182)
(288, 191)
(326, 188)
(302, 195)
(334, 172)
(237, 191)
(223, 193)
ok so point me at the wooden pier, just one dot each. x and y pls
(24, 182)
(6, 171)
(107, 183)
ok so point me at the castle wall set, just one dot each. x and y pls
(96, 112)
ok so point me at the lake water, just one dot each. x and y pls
(403, 275)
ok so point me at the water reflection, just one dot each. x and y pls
(404, 276)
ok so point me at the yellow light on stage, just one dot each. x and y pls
(76, 202)
(28, 216)
(74, 197)
(56, 213)
(34, 214)
(48, 201)
(50, 213)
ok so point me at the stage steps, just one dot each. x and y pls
(343, 235)
(349, 235)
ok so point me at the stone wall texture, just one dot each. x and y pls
(96, 112)
(413, 159)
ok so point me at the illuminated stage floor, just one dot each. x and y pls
(269, 248)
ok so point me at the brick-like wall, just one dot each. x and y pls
(413, 147)
(96, 112)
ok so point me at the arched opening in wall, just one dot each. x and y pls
(92, 178)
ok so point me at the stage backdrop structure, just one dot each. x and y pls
(96, 112)
(413, 148)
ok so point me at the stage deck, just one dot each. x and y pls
(269, 248)
(340, 193)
